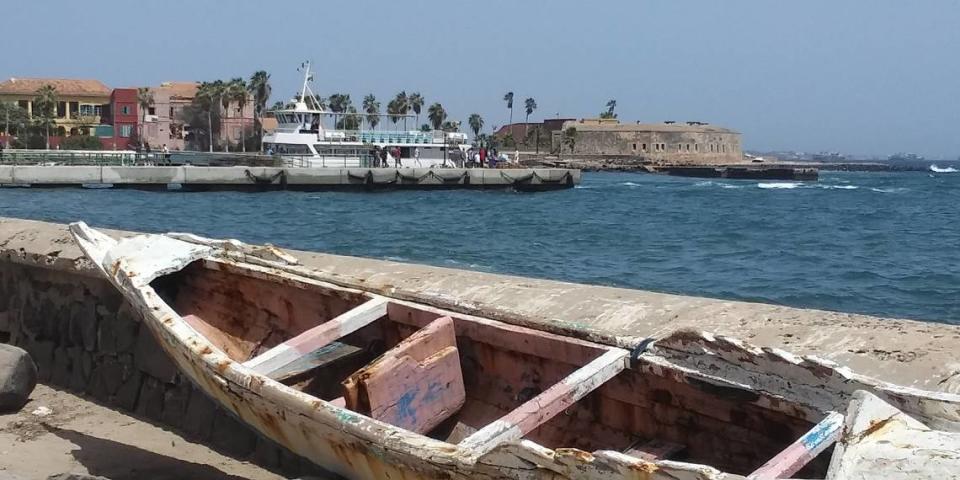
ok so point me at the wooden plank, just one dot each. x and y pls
(801, 452)
(317, 337)
(318, 358)
(416, 385)
(549, 403)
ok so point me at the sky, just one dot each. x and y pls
(862, 77)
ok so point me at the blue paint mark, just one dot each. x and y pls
(820, 434)
(405, 408)
(433, 392)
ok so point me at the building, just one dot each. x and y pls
(78, 111)
(520, 130)
(690, 143)
(120, 120)
(163, 122)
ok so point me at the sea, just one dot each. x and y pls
(885, 244)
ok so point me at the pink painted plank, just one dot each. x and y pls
(416, 385)
(801, 452)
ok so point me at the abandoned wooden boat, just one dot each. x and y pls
(370, 386)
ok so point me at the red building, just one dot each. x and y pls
(121, 120)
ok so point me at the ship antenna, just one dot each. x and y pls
(306, 78)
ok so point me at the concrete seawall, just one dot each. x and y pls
(272, 178)
(85, 338)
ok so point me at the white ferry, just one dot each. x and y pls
(302, 139)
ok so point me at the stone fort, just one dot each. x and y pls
(690, 143)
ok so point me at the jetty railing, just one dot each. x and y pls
(133, 158)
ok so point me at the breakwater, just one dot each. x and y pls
(249, 178)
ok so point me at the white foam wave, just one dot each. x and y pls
(936, 169)
(889, 190)
(630, 184)
(779, 185)
(840, 187)
(716, 184)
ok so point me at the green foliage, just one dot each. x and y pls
(508, 141)
(372, 108)
(340, 102)
(394, 110)
(437, 115)
(426, 128)
(607, 115)
(15, 117)
(450, 126)
(81, 142)
(476, 124)
(529, 106)
(350, 121)
(611, 105)
(508, 97)
(416, 103)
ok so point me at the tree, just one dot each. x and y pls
(570, 138)
(612, 104)
(237, 92)
(339, 102)
(450, 126)
(350, 121)
(529, 106)
(278, 105)
(206, 100)
(394, 111)
(260, 90)
(14, 118)
(476, 124)
(402, 106)
(45, 109)
(426, 128)
(372, 108)
(416, 102)
(509, 99)
(437, 115)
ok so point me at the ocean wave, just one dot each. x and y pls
(839, 187)
(630, 184)
(716, 184)
(935, 169)
(779, 185)
(889, 190)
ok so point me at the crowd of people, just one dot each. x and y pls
(475, 157)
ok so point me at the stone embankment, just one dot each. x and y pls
(85, 338)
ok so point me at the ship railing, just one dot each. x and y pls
(329, 161)
(413, 137)
(131, 158)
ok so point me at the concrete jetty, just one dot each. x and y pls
(250, 178)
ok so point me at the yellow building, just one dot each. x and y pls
(80, 101)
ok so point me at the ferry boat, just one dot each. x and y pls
(303, 140)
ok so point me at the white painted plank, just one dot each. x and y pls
(289, 351)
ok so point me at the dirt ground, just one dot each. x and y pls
(80, 436)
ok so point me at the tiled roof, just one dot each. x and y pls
(179, 89)
(64, 86)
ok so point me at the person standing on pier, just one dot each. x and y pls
(166, 154)
(483, 156)
(416, 156)
(396, 157)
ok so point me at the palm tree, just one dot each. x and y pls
(476, 124)
(509, 99)
(45, 108)
(144, 101)
(238, 92)
(339, 102)
(403, 106)
(207, 98)
(529, 106)
(416, 102)
(259, 87)
(437, 115)
(394, 111)
(278, 105)
(372, 108)
(612, 104)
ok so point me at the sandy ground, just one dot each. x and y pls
(84, 437)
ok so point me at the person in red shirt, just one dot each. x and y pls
(483, 157)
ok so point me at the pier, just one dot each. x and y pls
(250, 178)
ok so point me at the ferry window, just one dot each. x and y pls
(292, 149)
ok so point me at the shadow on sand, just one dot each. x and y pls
(118, 461)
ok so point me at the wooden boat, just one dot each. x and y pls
(370, 386)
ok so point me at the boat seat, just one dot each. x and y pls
(319, 358)
(416, 385)
(652, 450)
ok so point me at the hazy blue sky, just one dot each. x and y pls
(866, 77)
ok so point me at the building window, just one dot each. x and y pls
(98, 110)
(696, 147)
(86, 110)
(644, 147)
(126, 131)
(171, 112)
(151, 110)
(634, 147)
(125, 109)
(688, 147)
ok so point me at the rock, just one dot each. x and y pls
(18, 377)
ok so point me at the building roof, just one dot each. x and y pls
(64, 86)
(185, 90)
(592, 126)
